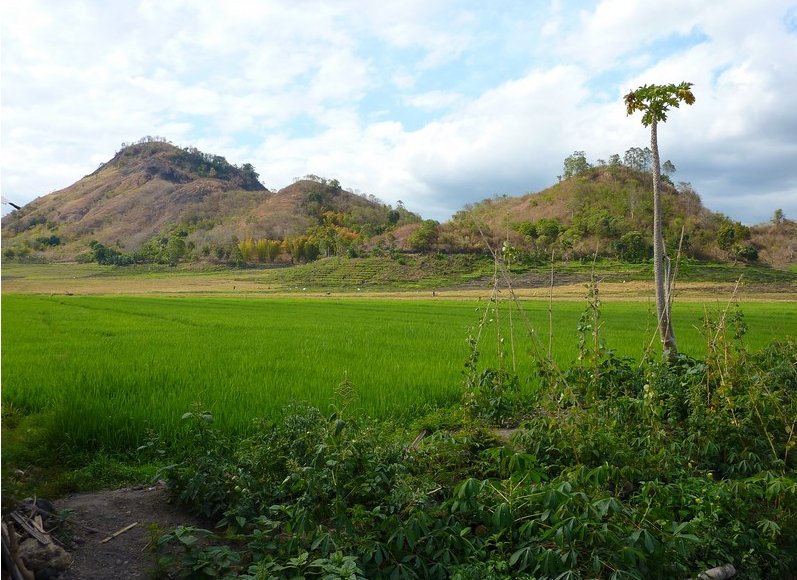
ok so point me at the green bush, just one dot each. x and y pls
(108, 256)
(425, 237)
(633, 247)
(746, 252)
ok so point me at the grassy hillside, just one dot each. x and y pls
(153, 194)
(156, 203)
(778, 242)
(142, 191)
(608, 209)
(404, 272)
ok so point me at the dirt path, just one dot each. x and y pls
(128, 555)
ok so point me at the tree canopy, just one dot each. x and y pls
(654, 101)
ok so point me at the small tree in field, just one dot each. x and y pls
(654, 101)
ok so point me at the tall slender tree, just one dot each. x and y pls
(655, 101)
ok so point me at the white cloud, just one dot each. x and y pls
(433, 100)
(621, 30)
(403, 80)
(241, 79)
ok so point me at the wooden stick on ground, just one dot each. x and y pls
(38, 524)
(69, 521)
(119, 532)
(43, 537)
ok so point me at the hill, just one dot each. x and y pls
(154, 202)
(608, 209)
(152, 193)
(141, 191)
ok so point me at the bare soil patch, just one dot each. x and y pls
(130, 554)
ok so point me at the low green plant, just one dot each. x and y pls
(492, 393)
(199, 557)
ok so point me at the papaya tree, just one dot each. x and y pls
(655, 101)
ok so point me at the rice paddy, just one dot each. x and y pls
(101, 372)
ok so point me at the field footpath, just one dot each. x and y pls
(235, 283)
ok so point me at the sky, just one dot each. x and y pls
(435, 103)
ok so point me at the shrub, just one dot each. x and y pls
(424, 238)
(746, 252)
(108, 256)
(633, 247)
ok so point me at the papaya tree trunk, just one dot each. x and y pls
(660, 275)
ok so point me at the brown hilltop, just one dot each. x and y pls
(140, 192)
(148, 188)
(299, 206)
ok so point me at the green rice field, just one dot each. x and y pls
(101, 371)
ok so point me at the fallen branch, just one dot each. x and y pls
(418, 439)
(68, 520)
(31, 529)
(118, 533)
(37, 522)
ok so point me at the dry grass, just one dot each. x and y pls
(90, 279)
(778, 243)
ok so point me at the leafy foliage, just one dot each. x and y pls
(633, 247)
(43, 242)
(575, 164)
(655, 101)
(168, 248)
(424, 237)
(108, 256)
(638, 159)
(623, 470)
